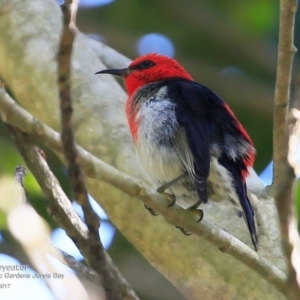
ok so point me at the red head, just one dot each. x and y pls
(149, 68)
(144, 70)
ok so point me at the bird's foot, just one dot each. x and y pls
(197, 212)
(152, 211)
(184, 231)
(171, 199)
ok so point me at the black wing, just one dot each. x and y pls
(194, 133)
(209, 125)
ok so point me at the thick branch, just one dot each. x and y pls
(101, 127)
(134, 187)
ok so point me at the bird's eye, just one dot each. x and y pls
(147, 64)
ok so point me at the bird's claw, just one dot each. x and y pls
(198, 213)
(184, 231)
(152, 211)
(169, 197)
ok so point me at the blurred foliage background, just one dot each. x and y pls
(229, 46)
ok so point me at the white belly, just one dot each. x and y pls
(157, 124)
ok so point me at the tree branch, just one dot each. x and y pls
(81, 269)
(62, 211)
(33, 235)
(97, 259)
(284, 175)
(134, 187)
(286, 51)
(101, 127)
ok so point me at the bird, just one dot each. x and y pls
(186, 137)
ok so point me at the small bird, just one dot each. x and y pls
(186, 137)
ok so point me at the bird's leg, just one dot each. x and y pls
(168, 184)
(170, 197)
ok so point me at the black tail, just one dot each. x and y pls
(248, 213)
(240, 186)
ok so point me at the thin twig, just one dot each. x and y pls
(95, 168)
(32, 234)
(286, 51)
(97, 261)
(81, 269)
(62, 211)
(66, 107)
(283, 194)
(91, 275)
(283, 172)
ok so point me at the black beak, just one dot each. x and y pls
(119, 72)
